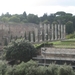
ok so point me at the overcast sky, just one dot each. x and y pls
(37, 7)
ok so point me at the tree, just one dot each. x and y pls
(60, 13)
(29, 36)
(11, 37)
(51, 18)
(45, 22)
(25, 35)
(44, 17)
(15, 18)
(5, 19)
(24, 15)
(5, 42)
(20, 50)
(7, 15)
(33, 35)
(73, 19)
(33, 18)
(69, 27)
(43, 35)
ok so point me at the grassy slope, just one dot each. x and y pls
(70, 43)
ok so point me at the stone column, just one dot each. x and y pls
(36, 34)
(61, 31)
(31, 37)
(55, 32)
(58, 31)
(45, 32)
(52, 29)
(40, 33)
(48, 32)
(64, 32)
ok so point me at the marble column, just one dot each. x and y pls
(48, 32)
(45, 32)
(52, 29)
(31, 37)
(58, 31)
(55, 32)
(36, 34)
(40, 33)
(64, 32)
(61, 31)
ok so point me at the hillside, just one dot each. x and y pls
(15, 29)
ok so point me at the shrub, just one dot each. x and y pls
(20, 50)
(3, 67)
(52, 69)
(70, 36)
(32, 68)
(26, 68)
(66, 70)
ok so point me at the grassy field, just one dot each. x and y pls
(68, 43)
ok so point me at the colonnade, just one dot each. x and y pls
(47, 32)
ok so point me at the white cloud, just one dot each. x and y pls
(51, 9)
(38, 7)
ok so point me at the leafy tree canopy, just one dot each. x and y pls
(20, 50)
(59, 17)
(69, 27)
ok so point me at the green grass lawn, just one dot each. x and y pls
(63, 46)
(68, 43)
(64, 43)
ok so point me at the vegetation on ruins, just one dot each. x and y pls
(60, 17)
(32, 68)
(68, 43)
(45, 44)
(19, 50)
(70, 36)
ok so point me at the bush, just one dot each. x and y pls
(70, 36)
(66, 70)
(19, 50)
(32, 68)
(52, 69)
(3, 67)
(20, 69)
(25, 68)
(9, 70)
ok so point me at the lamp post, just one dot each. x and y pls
(44, 50)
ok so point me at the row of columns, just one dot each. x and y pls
(48, 33)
